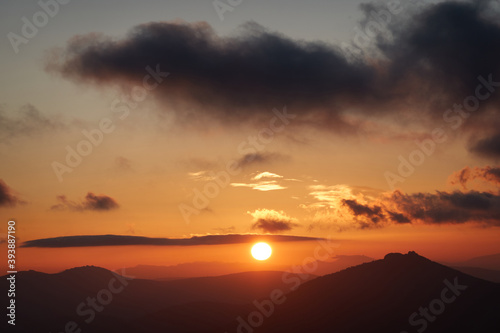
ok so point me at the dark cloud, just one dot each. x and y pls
(428, 208)
(398, 217)
(272, 221)
(91, 202)
(261, 158)
(273, 226)
(486, 174)
(432, 60)
(443, 49)
(7, 196)
(374, 212)
(118, 240)
(444, 207)
(489, 147)
(256, 69)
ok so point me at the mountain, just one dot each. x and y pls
(95, 298)
(188, 270)
(401, 293)
(491, 262)
(339, 263)
(481, 273)
(200, 269)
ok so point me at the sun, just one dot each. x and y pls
(261, 251)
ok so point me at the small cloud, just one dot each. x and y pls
(266, 174)
(261, 158)
(488, 147)
(272, 221)
(123, 163)
(7, 196)
(91, 202)
(261, 186)
(201, 176)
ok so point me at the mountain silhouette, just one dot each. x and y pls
(400, 293)
(200, 269)
(49, 301)
(491, 261)
(390, 295)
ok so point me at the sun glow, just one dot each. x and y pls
(261, 251)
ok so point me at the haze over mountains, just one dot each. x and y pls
(388, 295)
(199, 269)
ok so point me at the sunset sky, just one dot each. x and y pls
(375, 125)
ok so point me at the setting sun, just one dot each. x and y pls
(261, 251)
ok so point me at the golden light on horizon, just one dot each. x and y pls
(261, 251)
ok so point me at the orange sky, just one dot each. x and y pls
(139, 139)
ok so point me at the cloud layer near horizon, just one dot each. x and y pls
(118, 240)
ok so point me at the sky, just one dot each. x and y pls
(374, 124)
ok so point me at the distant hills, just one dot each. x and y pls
(491, 262)
(199, 269)
(388, 295)
(483, 267)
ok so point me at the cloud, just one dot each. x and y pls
(123, 163)
(272, 221)
(453, 208)
(488, 147)
(261, 158)
(253, 70)
(121, 240)
(486, 174)
(428, 59)
(91, 202)
(374, 212)
(266, 174)
(7, 196)
(266, 181)
(201, 176)
(264, 186)
(28, 121)
(340, 207)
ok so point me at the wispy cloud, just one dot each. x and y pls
(201, 176)
(264, 181)
(28, 121)
(261, 186)
(485, 174)
(91, 202)
(266, 174)
(7, 196)
(261, 159)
